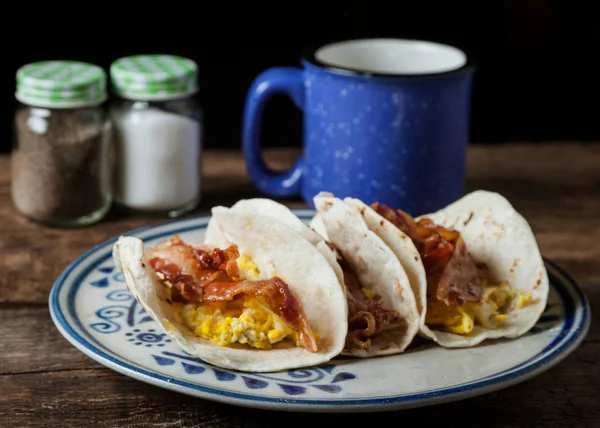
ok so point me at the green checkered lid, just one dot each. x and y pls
(61, 84)
(154, 77)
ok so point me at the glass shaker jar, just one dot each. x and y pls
(157, 134)
(61, 173)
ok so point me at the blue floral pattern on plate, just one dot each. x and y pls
(124, 315)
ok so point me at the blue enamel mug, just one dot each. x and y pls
(384, 120)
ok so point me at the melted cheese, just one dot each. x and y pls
(490, 312)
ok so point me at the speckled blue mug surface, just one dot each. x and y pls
(384, 120)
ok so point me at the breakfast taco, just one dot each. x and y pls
(268, 301)
(474, 266)
(374, 326)
(383, 315)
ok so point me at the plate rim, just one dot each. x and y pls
(553, 354)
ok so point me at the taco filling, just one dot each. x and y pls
(459, 292)
(366, 315)
(217, 294)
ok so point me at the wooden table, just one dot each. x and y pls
(44, 381)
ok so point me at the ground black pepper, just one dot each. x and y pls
(60, 170)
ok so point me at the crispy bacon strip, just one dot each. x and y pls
(452, 276)
(278, 297)
(183, 287)
(185, 268)
(211, 274)
(366, 317)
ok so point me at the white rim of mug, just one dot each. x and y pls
(309, 56)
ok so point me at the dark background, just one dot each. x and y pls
(537, 76)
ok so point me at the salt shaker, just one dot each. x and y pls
(61, 174)
(157, 134)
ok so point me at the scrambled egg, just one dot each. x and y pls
(248, 267)
(490, 312)
(247, 320)
(244, 321)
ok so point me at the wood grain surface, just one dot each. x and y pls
(44, 381)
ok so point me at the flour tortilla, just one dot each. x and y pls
(280, 212)
(376, 267)
(268, 207)
(498, 236)
(495, 234)
(276, 249)
(401, 245)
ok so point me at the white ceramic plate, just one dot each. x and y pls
(92, 308)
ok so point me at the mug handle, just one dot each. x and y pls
(278, 80)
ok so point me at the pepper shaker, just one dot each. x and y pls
(157, 134)
(61, 174)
